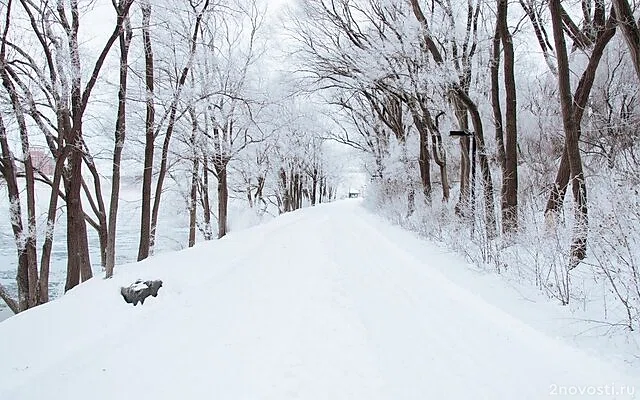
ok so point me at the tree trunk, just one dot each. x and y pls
(295, 185)
(314, 186)
(259, 196)
(193, 205)
(147, 174)
(284, 188)
(223, 197)
(193, 196)
(155, 211)
(579, 241)
(580, 99)
(249, 193)
(465, 163)
(171, 125)
(78, 261)
(120, 135)
(495, 93)
(11, 303)
(15, 212)
(630, 31)
(28, 276)
(99, 208)
(424, 159)
(206, 206)
(510, 170)
(45, 260)
(439, 154)
(489, 210)
(300, 191)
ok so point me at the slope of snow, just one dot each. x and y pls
(323, 303)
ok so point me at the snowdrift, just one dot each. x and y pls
(323, 303)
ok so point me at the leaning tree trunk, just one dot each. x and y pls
(630, 31)
(28, 276)
(8, 168)
(173, 108)
(579, 240)
(580, 99)
(45, 260)
(120, 135)
(99, 209)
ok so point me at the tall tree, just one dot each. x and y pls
(510, 151)
(120, 135)
(173, 110)
(28, 269)
(605, 30)
(630, 30)
(149, 143)
(579, 242)
(463, 103)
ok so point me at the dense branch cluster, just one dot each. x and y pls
(191, 112)
(402, 72)
(542, 96)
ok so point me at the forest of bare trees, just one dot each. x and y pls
(189, 105)
(542, 95)
(224, 101)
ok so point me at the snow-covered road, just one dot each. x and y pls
(318, 304)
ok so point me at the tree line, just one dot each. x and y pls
(183, 87)
(536, 85)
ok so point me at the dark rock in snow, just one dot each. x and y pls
(138, 291)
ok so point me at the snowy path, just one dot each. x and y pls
(319, 304)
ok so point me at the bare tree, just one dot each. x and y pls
(630, 30)
(193, 193)
(149, 144)
(120, 135)
(56, 38)
(507, 147)
(173, 108)
(578, 247)
(605, 30)
(462, 102)
(28, 268)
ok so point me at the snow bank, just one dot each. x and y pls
(322, 303)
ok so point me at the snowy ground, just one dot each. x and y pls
(323, 303)
(172, 235)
